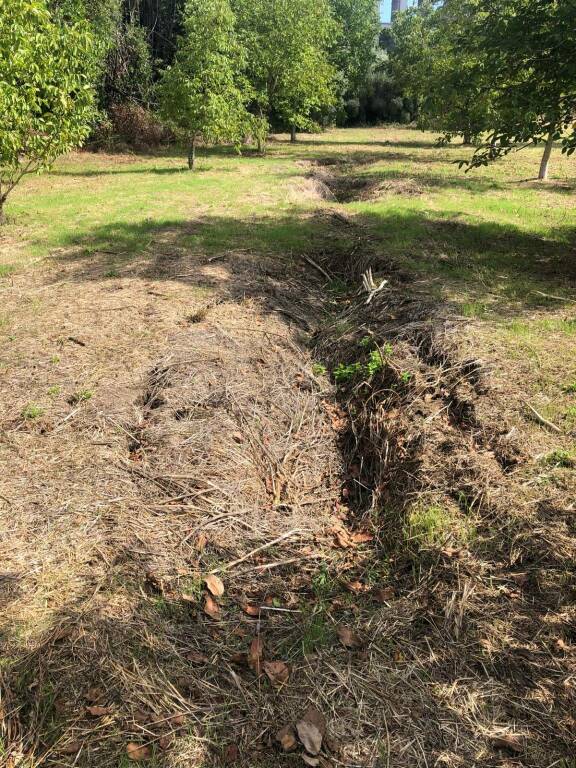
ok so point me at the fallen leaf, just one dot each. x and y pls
(211, 608)
(348, 637)
(165, 742)
(512, 743)
(356, 587)
(142, 717)
(178, 719)
(342, 538)
(309, 760)
(238, 437)
(231, 754)
(311, 730)
(453, 552)
(562, 645)
(384, 594)
(197, 658)
(201, 542)
(251, 610)
(94, 694)
(72, 748)
(215, 585)
(97, 711)
(277, 671)
(239, 658)
(255, 654)
(138, 752)
(287, 738)
(361, 537)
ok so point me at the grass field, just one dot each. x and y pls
(168, 349)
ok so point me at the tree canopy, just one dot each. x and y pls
(47, 72)
(204, 93)
(501, 69)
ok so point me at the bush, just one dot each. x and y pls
(130, 125)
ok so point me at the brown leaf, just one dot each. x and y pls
(356, 587)
(239, 658)
(342, 538)
(142, 717)
(361, 537)
(201, 542)
(238, 437)
(311, 730)
(215, 585)
(165, 742)
(509, 742)
(309, 760)
(287, 738)
(178, 719)
(94, 694)
(255, 654)
(138, 752)
(384, 594)
(348, 637)
(97, 711)
(211, 608)
(231, 754)
(72, 748)
(251, 610)
(197, 658)
(277, 671)
(562, 645)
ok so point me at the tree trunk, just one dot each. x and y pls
(2, 214)
(293, 134)
(543, 173)
(192, 153)
(467, 139)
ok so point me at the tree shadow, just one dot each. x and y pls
(502, 259)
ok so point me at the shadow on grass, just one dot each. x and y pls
(504, 262)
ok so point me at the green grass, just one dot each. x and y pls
(433, 525)
(32, 411)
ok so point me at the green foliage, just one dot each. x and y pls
(344, 373)
(292, 78)
(431, 61)
(354, 50)
(32, 411)
(46, 89)
(561, 458)
(203, 95)
(534, 95)
(81, 396)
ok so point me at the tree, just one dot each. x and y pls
(354, 50)
(527, 49)
(432, 61)
(203, 95)
(46, 89)
(292, 79)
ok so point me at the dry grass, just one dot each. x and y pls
(181, 418)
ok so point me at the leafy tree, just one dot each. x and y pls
(289, 69)
(354, 50)
(46, 89)
(203, 95)
(527, 49)
(432, 61)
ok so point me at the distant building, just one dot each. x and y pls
(389, 8)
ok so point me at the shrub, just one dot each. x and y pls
(130, 125)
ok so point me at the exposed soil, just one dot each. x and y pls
(222, 449)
